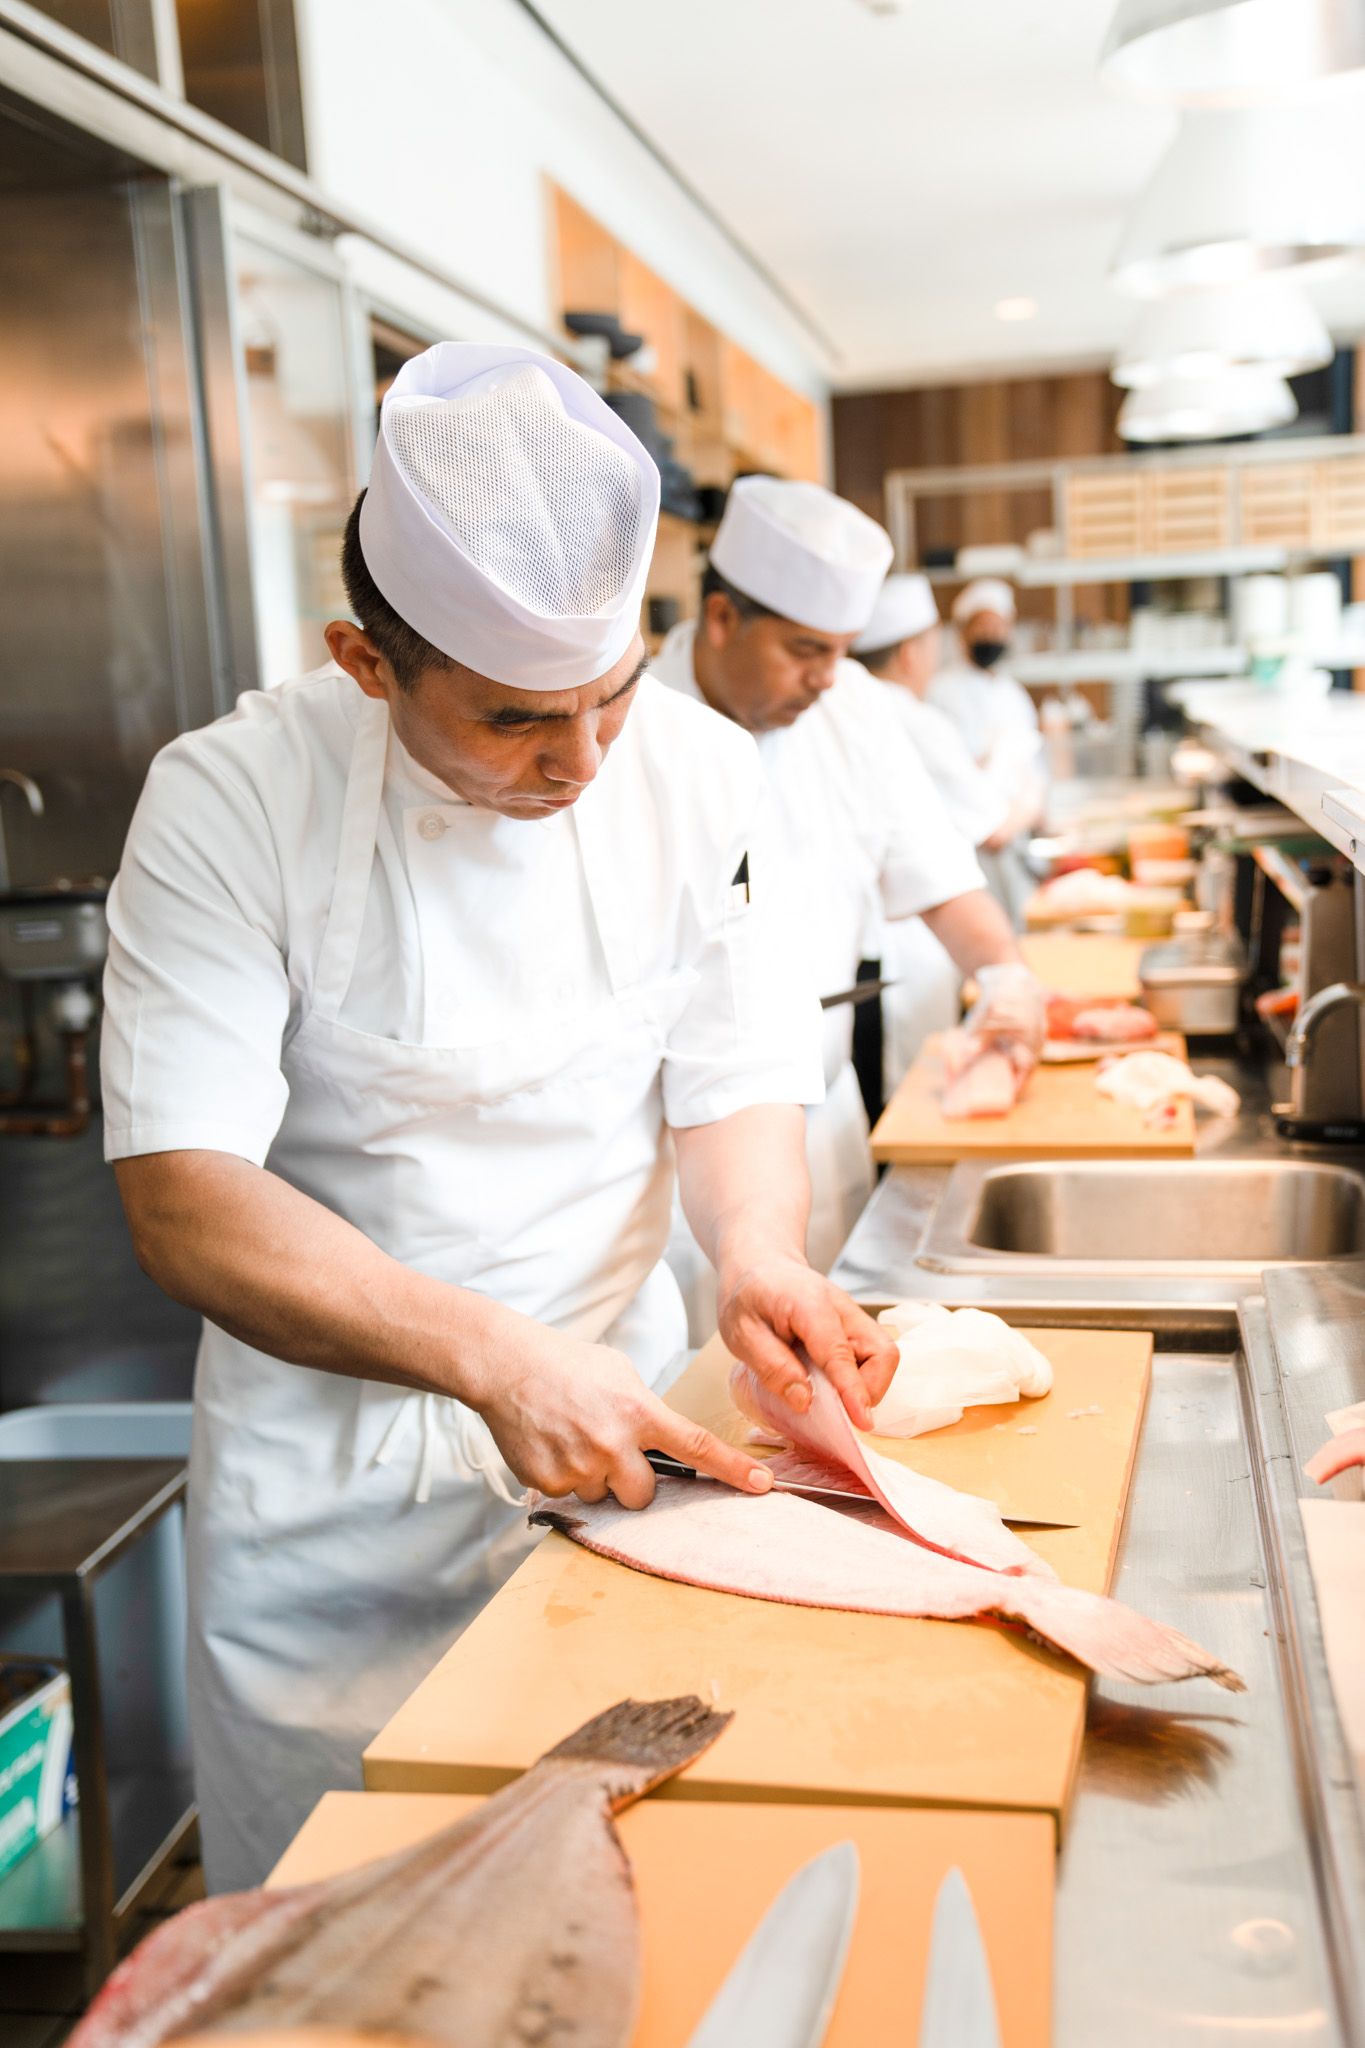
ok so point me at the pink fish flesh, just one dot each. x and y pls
(776, 1546)
(827, 1449)
(1336, 1456)
(1114, 1024)
(983, 1077)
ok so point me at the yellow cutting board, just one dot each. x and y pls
(1039, 1461)
(1061, 1115)
(705, 1875)
(1086, 964)
(832, 1708)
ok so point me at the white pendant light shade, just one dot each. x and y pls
(1269, 325)
(1207, 408)
(1246, 191)
(1230, 52)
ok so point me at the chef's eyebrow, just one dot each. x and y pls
(511, 716)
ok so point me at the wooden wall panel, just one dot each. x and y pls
(1017, 419)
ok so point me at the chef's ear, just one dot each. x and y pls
(720, 619)
(352, 649)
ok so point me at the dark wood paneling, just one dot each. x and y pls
(1018, 419)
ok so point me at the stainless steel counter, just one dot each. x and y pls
(1212, 1878)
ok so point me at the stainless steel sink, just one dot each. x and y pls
(1225, 1216)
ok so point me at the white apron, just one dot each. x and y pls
(341, 1533)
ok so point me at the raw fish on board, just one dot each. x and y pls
(518, 1923)
(777, 1546)
(1336, 1455)
(825, 1444)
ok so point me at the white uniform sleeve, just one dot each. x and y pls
(751, 1029)
(925, 859)
(196, 990)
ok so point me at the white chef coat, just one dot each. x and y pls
(996, 717)
(926, 987)
(465, 1034)
(866, 837)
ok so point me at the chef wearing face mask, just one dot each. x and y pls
(899, 645)
(416, 963)
(995, 716)
(793, 576)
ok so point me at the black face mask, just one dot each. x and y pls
(986, 653)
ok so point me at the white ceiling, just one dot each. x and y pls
(900, 173)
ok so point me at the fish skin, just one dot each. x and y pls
(1336, 1455)
(825, 1443)
(777, 1546)
(515, 1925)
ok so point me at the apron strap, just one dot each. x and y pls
(355, 859)
(602, 861)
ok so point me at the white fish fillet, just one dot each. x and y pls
(961, 1525)
(1336, 1455)
(776, 1546)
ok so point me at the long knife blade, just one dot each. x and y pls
(845, 1496)
(861, 992)
(781, 1991)
(959, 1998)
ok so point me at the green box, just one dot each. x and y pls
(37, 1786)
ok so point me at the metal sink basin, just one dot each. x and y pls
(1226, 1216)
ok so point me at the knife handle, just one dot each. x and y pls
(669, 1468)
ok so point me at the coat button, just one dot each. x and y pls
(431, 825)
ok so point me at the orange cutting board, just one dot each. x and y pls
(833, 1708)
(706, 1874)
(1039, 1461)
(1061, 1115)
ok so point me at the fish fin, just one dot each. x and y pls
(1114, 1640)
(649, 1739)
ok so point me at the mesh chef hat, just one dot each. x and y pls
(987, 594)
(510, 515)
(905, 606)
(802, 552)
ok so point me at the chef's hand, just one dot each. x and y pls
(571, 1417)
(776, 1307)
(1011, 1005)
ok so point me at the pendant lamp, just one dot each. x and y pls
(1270, 325)
(1230, 52)
(1243, 401)
(1245, 191)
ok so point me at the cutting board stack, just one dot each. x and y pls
(926, 1743)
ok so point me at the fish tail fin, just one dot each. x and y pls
(642, 1742)
(1114, 1640)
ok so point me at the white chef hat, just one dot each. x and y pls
(905, 606)
(802, 552)
(987, 594)
(510, 515)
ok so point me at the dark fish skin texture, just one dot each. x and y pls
(514, 1928)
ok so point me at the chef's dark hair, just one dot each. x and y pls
(401, 645)
(878, 658)
(713, 584)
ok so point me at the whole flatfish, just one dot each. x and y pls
(514, 1927)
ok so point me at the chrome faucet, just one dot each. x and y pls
(1313, 1011)
(16, 779)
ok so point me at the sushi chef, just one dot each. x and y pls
(792, 578)
(423, 968)
(996, 717)
(899, 645)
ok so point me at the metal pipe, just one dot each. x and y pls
(1316, 1008)
(15, 778)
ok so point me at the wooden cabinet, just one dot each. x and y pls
(650, 307)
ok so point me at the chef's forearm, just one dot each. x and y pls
(974, 930)
(745, 1186)
(281, 1272)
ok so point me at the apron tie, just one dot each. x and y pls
(473, 1454)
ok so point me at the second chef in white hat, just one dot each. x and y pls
(422, 970)
(792, 580)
